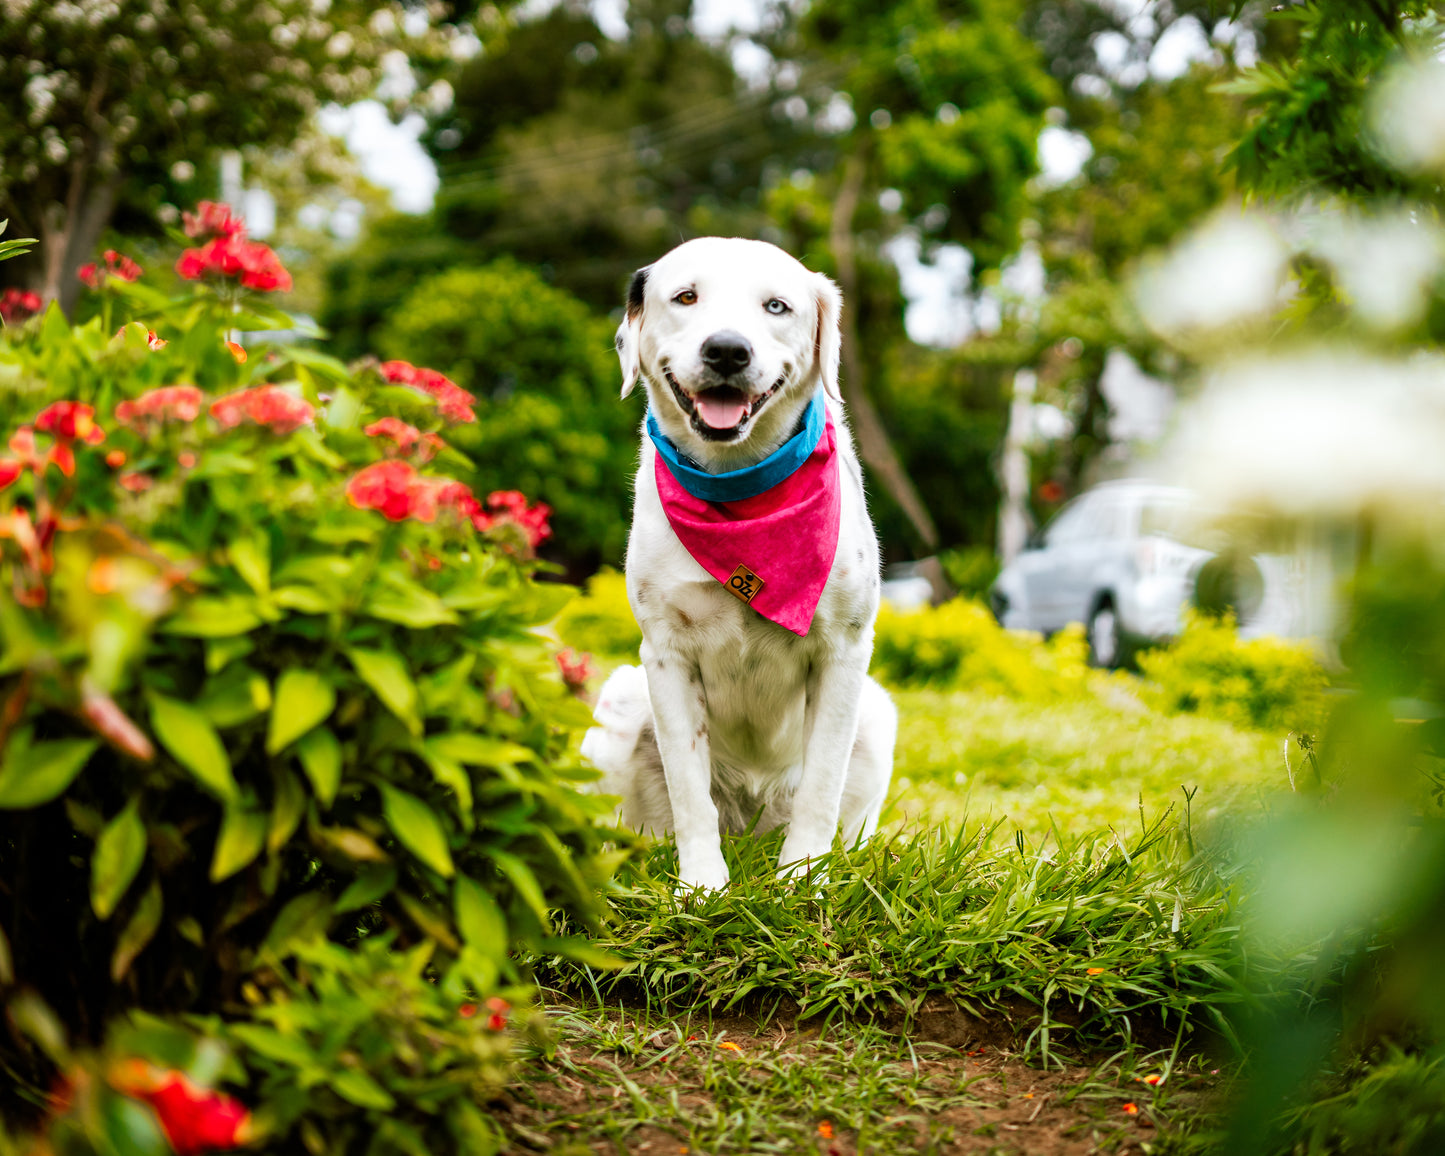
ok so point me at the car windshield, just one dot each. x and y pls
(1180, 519)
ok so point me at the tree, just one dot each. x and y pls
(127, 98)
(947, 101)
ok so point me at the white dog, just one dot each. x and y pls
(753, 704)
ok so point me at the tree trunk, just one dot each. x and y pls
(874, 445)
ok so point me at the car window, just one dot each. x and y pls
(1074, 523)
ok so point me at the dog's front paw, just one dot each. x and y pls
(704, 871)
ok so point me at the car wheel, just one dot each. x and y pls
(1106, 638)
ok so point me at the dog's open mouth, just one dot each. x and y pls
(722, 412)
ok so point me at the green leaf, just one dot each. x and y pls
(480, 750)
(386, 674)
(417, 828)
(451, 774)
(355, 1085)
(192, 741)
(479, 918)
(251, 557)
(303, 919)
(321, 760)
(524, 881)
(118, 854)
(286, 810)
(273, 1045)
(400, 600)
(139, 931)
(220, 617)
(303, 699)
(371, 883)
(35, 774)
(243, 834)
(303, 599)
(581, 950)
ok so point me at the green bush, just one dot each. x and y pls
(269, 682)
(1263, 682)
(601, 619)
(959, 646)
(549, 420)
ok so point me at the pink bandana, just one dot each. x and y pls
(773, 551)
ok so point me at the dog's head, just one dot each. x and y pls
(731, 338)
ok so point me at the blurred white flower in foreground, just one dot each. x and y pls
(1384, 263)
(1407, 116)
(1231, 269)
(1317, 434)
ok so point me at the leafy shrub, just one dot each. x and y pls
(1262, 682)
(959, 646)
(970, 570)
(601, 620)
(267, 681)
(549, 420)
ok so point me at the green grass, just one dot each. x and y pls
(1096, 943)
(1085, 765)
(1037, 883)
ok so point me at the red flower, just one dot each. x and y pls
(453, 402)
(407, 436)
(121, 266)
(186, 460)
(18, 304)
(576, 668)
(467, 1010)
(169, 403)
(70, 421)
(509, 507)
(10, 470)
(194, 1119)
(254, 264)
(115, 459)
(266, 405)
(154, 340)
(136, 483)
(396, 490)
(383, 486)
(212, 219)
(237, 351)
(499, 1009)
(117, 265)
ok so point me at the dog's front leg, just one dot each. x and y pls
(833, 695)
(679, 714)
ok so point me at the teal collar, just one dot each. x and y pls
(749, 482)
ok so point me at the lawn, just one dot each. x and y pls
(1024, 960)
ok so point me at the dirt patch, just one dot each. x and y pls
(953, 1085)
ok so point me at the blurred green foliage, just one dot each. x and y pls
(1269, 683)
(549, 420)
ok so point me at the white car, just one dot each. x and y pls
(1127, 558)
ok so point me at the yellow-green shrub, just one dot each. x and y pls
(959, 646)
(601, 620)
(1262, 682)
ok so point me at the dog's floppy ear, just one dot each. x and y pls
(629, 330)
(827, 337)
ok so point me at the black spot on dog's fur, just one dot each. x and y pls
(635, 292)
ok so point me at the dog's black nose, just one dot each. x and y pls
(727, 352)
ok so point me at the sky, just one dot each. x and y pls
(939, 311)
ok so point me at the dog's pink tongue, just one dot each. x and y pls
(718, 412)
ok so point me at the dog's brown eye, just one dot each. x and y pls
(775, 307)
(686, 297)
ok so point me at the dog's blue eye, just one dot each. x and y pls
(773, 305)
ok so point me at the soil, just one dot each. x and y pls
(1014, 1109)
